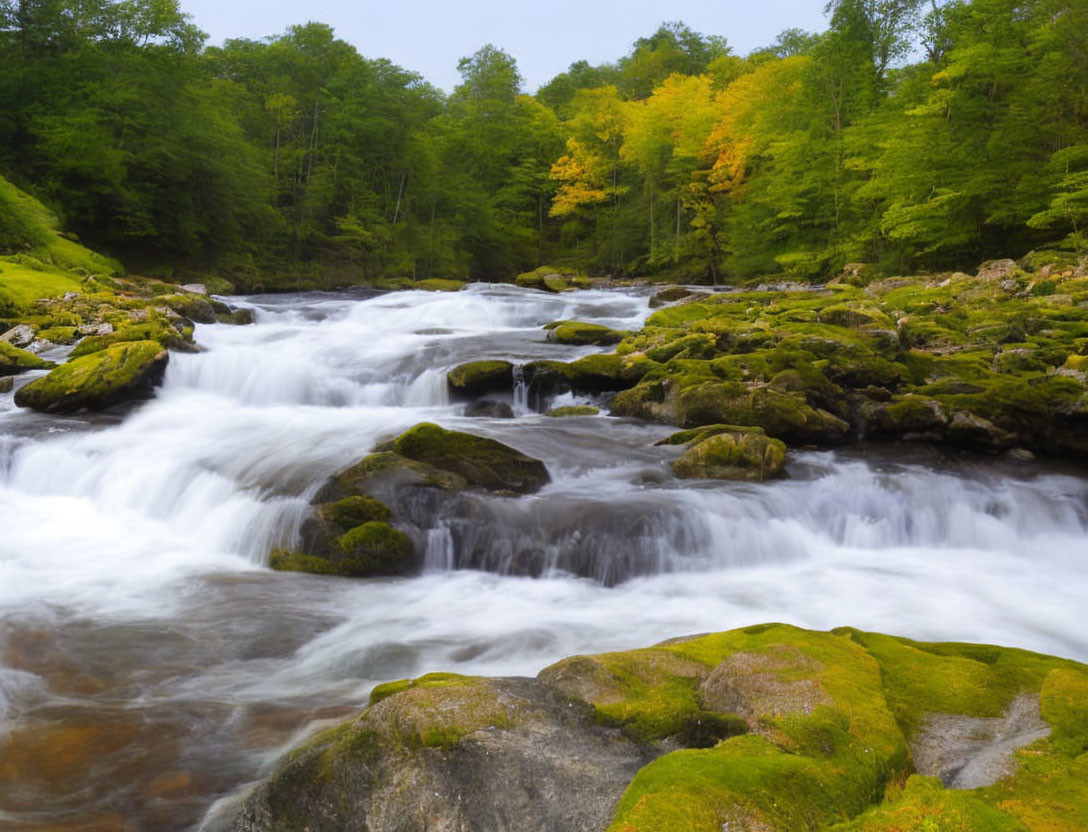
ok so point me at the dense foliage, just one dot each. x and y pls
(909, 134)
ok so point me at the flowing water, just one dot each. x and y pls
(151, 666)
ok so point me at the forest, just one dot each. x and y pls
(910, 135)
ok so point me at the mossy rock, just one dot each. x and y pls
(732, 455)
(670, 294)
(551, 279)
(477, 378)
(353, 511)
(573, 410)
(236, 317)
(195, 308)
(606, 372)
(483, 463)
(154, 329)
(770, 728)
(119, 373)
(577, 333)
(374, 549)
(782, 415)
(14, 360)
(58, 334)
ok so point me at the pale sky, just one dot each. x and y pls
(545, 37)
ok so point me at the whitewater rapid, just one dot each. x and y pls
(134, 593)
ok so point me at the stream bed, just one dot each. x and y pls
(151, 666)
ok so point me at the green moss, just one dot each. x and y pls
(573, 410)
(354, 511)
(431, 680)
(1063, 702)
(925, 805)
(22, 283)
(483, 462)
(98, 380)
(582, 334)
(156, 329)
(781, 415)
(374, 548)
(552, 279)
(285, 560)
(741, 455)
(196, 308)
(478, 377)
(14, 360)
(59, 334)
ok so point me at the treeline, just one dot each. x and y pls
(912, 134)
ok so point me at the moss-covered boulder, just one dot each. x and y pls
(478, 378)
(671, 294)
(439, 284)
(481, 462)
(769, 728)
(578, 333)
(193, 307)
(552, 279)
(573, 410)
(120, 373)
(14, 360)
(727, 452)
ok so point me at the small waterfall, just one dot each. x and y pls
(439, 554)
(521, 392)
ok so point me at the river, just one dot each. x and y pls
(151, 666)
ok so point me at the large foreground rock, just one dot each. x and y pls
(123, 372)
(761, 729)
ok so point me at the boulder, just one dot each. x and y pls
(581, 334)
(194, 288)
(477, 378)
(7, 383)
(120, 373)
(997, 270)
(671, 294)
(573, 410)
(483, 463)
(18, 336)
(770, 728)
(782, 415)
(446, 752)
(726, 452)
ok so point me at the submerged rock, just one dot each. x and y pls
(120, 373)
(573, 410)
(488, 409)
(766, 728)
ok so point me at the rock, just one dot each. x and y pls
(782, 415)
(732, 454)
(14, 360)
(18, 336)
(997, 270)
(123, 372)
(454, 753)
(606, 372)
(765, 728)
(972, 752)
(488, 409)
(236, 317)
(194, 288)
(671, 294)
(483, 463)
(191, 307)
(7, 383)
(99, 328)
(478, 378)
(578, 333)
(551, 279)
(573, 410)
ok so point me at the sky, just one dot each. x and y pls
(430, 36)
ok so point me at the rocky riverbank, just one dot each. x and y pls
(764, 728)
